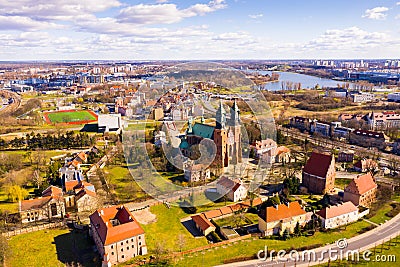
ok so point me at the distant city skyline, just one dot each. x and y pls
(198, 30)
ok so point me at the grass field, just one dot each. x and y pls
(125, 187)
(74, 117)
(167, 229)
(55, 247)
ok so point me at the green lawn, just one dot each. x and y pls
(250, 247)
(389, 255)
(235, 220)
(52, 248)
(380, 215)
(168, 227)
(342, 183)
(72, 116)
(124, 185)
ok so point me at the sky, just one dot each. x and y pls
(198, 29)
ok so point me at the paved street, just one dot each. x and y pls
(360, 243)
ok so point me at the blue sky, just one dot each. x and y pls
(199, 29)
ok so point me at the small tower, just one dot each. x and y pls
(220, 117)
(235, 147)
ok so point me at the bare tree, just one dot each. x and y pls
(181, 242)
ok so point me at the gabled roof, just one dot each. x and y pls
(114, 224)
(201, 221)
(361, 184)
(84, 185)
(334, 211)
(35, 203)
(228, 183)
(282, 211)
(203, 130)
(318, 164)
(53, 191)
(69, 185)
(84, 192)
(281, 150)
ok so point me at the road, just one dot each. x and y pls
(360, 244)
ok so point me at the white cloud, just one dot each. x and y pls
(398, 4)
(256, 16)
(166, 13)
(55, 9)
(350, 38)
(231, 36)
(24, 23)
(377, 13)
(161, 1)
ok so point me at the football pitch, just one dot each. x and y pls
(71, 117)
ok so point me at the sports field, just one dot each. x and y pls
(70, 116)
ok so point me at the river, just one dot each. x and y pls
(306, 81)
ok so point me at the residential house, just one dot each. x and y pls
(383, 120)
(233, 189)
(300, 123)
(203, 224)
(86, 200)
(369, 138)
(50, 205)
(319, 173)
(276, 219)
(282, 154)
(396, 147)
(321, 128)
(117, 234)
(361, 191)
(362, 97)
(265, 150)
(365, 165)
(196, 173)
(341, 214)
(346, 156)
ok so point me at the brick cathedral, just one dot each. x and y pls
(226, 135)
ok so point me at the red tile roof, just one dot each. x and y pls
(361, 184)
(69, 185)
(334, 211)
(201, 221)
(318, 164)
(52, 191)
(282, 149)
(125, 227)
(226, 210)
(282, 211)
(212, 214)
(35, 203)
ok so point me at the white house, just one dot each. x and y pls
(233, 189)
(335, 216)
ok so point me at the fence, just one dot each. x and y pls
(33, 229)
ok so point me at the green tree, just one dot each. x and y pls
(297, 229)
(16, 193)
(286, 234)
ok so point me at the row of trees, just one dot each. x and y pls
(60, 141)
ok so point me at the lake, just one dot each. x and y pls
(306, 81)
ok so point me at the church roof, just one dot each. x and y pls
(203, 130)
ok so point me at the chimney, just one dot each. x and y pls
(106, 224)
(102, 212)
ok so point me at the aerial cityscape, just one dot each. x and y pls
(199, 133)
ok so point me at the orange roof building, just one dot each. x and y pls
(203, 224)
(276, 219)
(361, 190)
(117, 234)
(335, 216)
